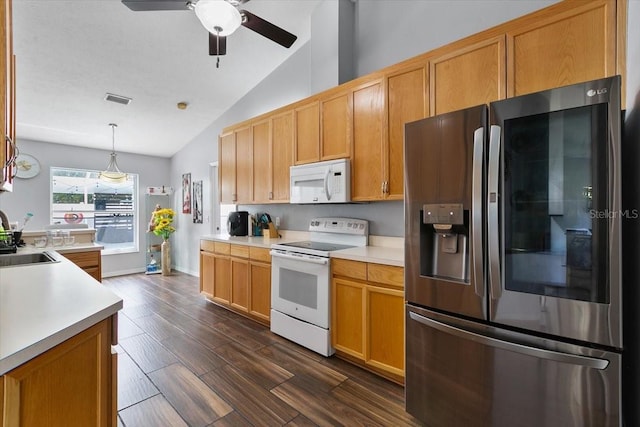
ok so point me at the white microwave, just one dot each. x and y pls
(321, 182)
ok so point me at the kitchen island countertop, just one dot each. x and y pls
(42, 305)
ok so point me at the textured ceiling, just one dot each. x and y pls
(69, 54)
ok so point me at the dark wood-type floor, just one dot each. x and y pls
(183, 361)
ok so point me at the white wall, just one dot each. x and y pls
(33, 195)
(390, 31)
(387, 32)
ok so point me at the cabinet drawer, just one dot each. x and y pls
(84, 259)
(259, 254)
(240, 251)
(355, 269)
(207, 245)
(386, 274)
(222, 248)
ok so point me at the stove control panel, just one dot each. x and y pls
(340, 225)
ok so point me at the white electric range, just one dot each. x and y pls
(301, 282)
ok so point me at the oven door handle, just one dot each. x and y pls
(299, 257)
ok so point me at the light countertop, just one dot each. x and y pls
(42, 305)
(77, 247)
(384, 250)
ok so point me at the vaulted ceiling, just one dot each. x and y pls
(71, 53)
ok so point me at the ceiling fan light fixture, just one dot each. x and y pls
(218, 16)
(113, 173)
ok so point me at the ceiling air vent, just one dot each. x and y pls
(119, 99)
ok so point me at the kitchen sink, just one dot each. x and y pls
(13, 260)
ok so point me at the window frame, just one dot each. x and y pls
(132, 247)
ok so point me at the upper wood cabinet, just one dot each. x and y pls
(227, 167)
(307, 133)
(262, 161)
(473, 73)
(572, 42)
(244, 165)
(255, 159)
(568, 42)
(235, 153)
(335, 129)
(282, 135)
(369, 148)
(407, 101)
(7, 98)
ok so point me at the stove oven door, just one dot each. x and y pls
(300, 286)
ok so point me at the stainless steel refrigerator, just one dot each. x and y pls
(513, 261)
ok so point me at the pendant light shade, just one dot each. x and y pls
(113, 172)
(218, 16)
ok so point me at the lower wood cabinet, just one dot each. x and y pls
(367, 325)
(237, 277)
(72, 384)
(89, 261)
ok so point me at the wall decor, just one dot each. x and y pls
(27, 166)
(197, 202)
(186, 193)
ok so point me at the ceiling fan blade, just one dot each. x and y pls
(217, 45)
(147, 5)
(267, 29)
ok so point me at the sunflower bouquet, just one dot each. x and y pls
(162, 220)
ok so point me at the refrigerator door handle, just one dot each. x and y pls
(493, 204)
(555, 356)
(476, 211)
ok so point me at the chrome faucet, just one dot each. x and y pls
(5, 221)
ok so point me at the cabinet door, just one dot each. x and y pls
(69, 385)
(469, 75)
(407, 101)
(281, 155)
(385, 329)
(262, 162)
(244, 165)
(207, 277)
(563, 48)
(307, 135)
(222, 279)
(90, 262)
(240, 284)
(227, 168)
(367, 165)
(347, 325)
(335, 138)
(7, 98)
(260, 293)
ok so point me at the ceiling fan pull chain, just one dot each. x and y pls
(217, 46)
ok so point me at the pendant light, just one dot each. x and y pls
(113, 173)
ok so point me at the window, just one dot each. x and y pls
(78, 196)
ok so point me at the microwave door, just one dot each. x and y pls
(553, 206)
(308, 188)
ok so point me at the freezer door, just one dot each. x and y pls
(554, 212)
(460, 373)
(444, 182)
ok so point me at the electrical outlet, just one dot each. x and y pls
(277, 221)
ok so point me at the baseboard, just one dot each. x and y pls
(123, 272)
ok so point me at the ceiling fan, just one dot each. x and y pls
(220, 18)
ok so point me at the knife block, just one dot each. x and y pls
(272, 232)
